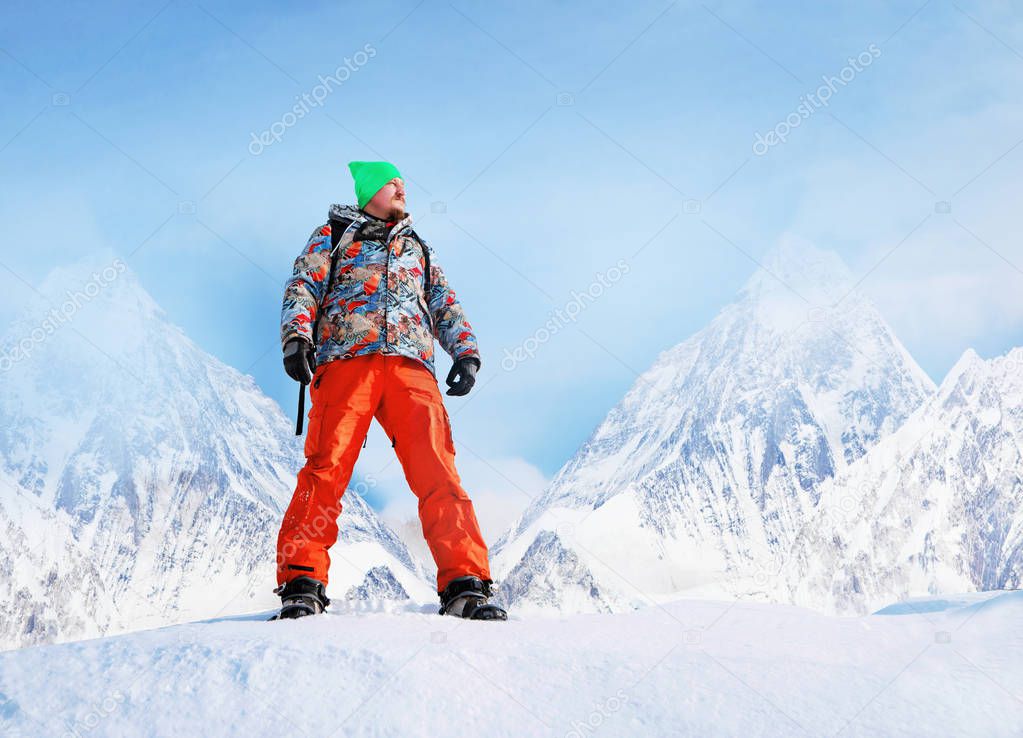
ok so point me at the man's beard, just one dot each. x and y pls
(396, 213)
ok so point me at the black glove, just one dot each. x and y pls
(465, 369)
(299, 360)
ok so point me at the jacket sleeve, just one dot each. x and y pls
(304, 290)
(450, 325)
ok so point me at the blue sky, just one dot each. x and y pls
(542, 143)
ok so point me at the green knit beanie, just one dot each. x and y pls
(370, 176)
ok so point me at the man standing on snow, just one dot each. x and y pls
(361, 311)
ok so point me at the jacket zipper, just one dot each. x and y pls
(427, 287)
(387, 284)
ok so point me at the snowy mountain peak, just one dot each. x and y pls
(797, 268)
(1006, 371)
(969, 361)
(995, 384)
(934, 507)
(715, 457)
(102, 280)
(164, 469)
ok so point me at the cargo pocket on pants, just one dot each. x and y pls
(313, 429)
(316, 413)
(446, 419)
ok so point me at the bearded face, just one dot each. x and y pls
(389, 202)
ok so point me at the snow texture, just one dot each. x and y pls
(946, 666)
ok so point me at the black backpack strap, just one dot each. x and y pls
(427, 278)
(337, 230)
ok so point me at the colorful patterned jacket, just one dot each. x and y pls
(377, 302)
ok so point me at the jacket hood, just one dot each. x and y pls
(346, 212)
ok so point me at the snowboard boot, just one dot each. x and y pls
(300, 597)
(466, 597)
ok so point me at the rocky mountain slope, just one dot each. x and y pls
(142, 481)
(704, 475)
(936, 507)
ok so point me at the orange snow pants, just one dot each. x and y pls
(404, 397)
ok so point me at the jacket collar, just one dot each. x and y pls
(372, 226)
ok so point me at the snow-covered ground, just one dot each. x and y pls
(938, 666)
